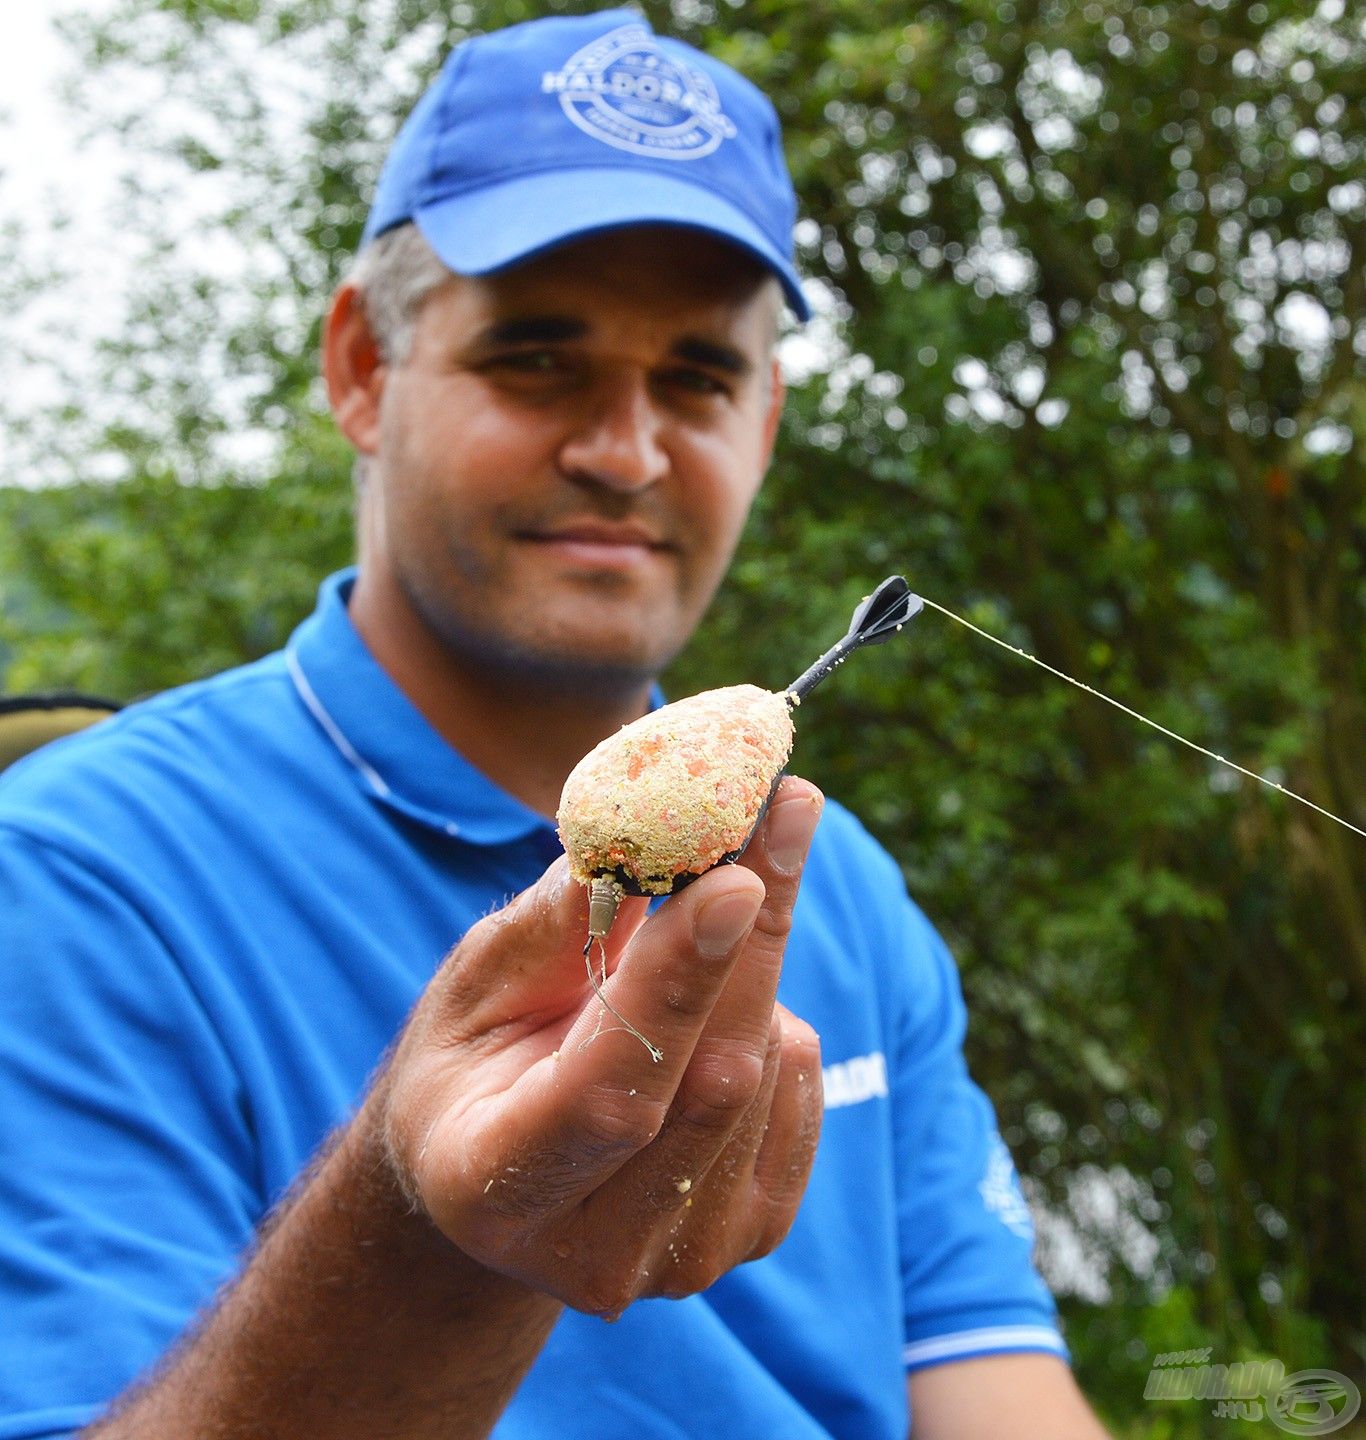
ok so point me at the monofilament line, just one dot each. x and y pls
(1171, 734)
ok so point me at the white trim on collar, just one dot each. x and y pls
(333, 731)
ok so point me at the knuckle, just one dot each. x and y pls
(457, 989)
(774, 1217)
(718, 1091)
(774, 921)
(603, 1295)
(687, 1274)
(488, 930)
(685, 999)
(509, 927)
(494, 934)
(614, 1126)
(771, 1234)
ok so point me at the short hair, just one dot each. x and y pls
(395, 273)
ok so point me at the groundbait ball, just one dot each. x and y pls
(676, 791)
(681, 790)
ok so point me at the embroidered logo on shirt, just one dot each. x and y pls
(851, 1081)
(1001, 1194)
(624, 90)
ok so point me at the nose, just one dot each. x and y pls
(617, 442)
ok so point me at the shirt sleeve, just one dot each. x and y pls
(127, 1185)
(970, 1285)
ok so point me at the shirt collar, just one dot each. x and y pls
(392, 750)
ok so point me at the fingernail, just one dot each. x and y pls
(721, 923)
(787, 836)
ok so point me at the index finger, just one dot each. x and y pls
(725, 1087)
(723, 1060)
(727, 1065)
(582, 1113)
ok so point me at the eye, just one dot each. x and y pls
(533, 373)
(696, 382)
(530, 362)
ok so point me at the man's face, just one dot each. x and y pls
(568, 454)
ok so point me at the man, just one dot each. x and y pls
(218, 908)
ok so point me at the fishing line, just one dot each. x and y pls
(1171, 734)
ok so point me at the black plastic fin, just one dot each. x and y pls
(875, 621)
(890, 605)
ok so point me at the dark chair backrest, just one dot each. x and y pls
(28, 721)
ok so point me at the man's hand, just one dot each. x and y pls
(542, 1138)
(511, 1157)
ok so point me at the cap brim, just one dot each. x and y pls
(481, 231)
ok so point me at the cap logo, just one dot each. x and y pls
(624, 90)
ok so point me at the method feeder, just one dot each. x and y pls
(682, 790)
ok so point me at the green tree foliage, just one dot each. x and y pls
(1092, 373)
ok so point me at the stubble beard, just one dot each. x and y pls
(522, 662)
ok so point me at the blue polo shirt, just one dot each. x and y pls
(216, 910)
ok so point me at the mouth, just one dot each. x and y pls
(600, 544)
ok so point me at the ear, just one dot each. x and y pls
(353, 369)
(777, 394)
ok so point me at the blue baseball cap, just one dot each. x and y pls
(561, 128)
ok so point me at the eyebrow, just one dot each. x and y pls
(709, 353)
(532, 330)
(557, 329)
